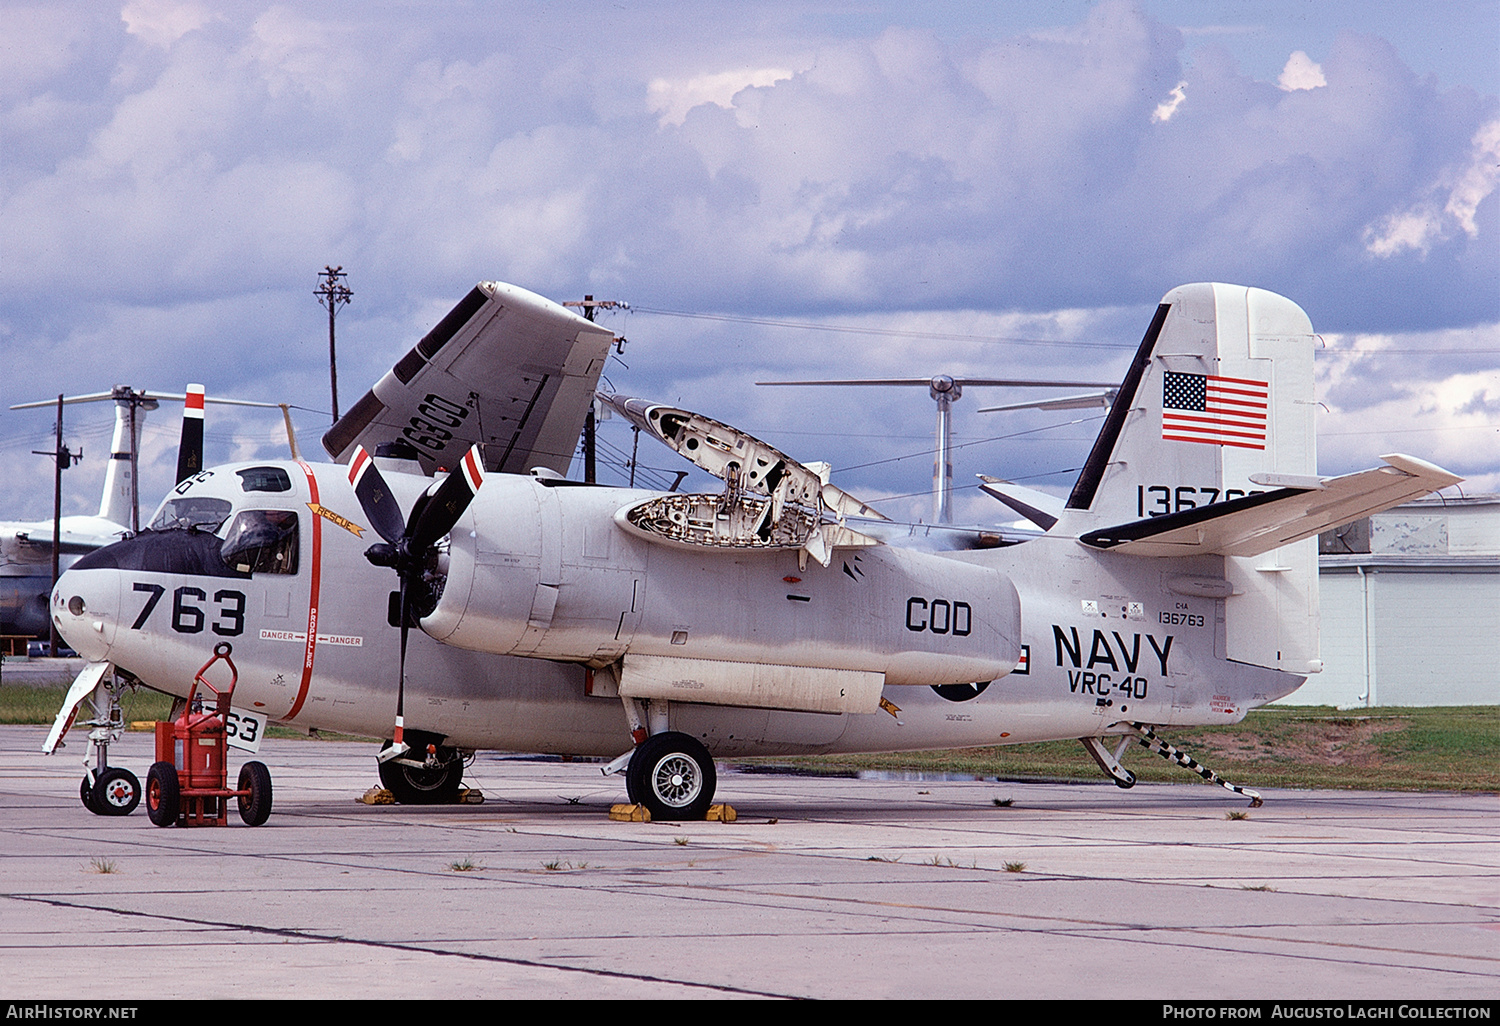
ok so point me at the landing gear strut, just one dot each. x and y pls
(1109, 761)
(105, 790)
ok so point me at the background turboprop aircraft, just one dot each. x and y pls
(1177, 585)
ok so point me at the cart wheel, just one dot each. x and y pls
(255, 807)
(163, 794)
(86, 793)
(117, 792)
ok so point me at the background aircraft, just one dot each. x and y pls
(26, 547)
(1177, 585)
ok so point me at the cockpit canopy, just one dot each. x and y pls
(185, 512)
(189, 532)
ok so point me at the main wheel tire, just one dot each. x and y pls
(673, 775)
(417, 785)
(163, 794)
(116, 793)
(255, 807)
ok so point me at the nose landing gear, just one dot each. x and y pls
(105, 790)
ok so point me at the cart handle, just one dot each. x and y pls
(221, 651)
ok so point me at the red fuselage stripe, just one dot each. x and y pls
(312, 597)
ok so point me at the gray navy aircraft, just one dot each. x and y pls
(453, 592)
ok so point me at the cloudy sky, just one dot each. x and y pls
(784, 189)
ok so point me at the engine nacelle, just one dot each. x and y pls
(546, 571)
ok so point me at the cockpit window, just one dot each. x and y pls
(180, 514)
(262, 541)
(264, 479)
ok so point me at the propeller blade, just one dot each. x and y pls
(375, 497)
(445, 503)
(399, 747)
(190, 448)
(434, 514)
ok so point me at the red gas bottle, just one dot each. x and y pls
(188, 784)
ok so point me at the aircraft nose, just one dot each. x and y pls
(85, 608)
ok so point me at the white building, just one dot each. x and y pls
(1411, 608)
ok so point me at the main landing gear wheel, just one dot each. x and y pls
(422, 785)
(673, 775)
(163, 794)
(255, 808)
(116, 792)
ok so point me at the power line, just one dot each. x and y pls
(965, 445)
(1007, 339)
(941, 336)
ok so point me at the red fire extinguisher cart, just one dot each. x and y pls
(187, 784)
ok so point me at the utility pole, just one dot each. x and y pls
(590, 425)
(333, 293)
(63, 459)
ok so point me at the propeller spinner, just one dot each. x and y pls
(410, 541)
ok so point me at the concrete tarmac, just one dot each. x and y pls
(823, 888)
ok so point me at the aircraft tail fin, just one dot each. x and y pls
(117, 504)
(1210, 451)
(1220, 391)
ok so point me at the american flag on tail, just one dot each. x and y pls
(1214, 410)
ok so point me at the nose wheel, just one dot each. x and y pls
(673, 775)
(114, 792)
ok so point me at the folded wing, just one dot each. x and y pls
(506, 369)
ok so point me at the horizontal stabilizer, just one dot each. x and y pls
(1038, 507)
(1262, 521)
